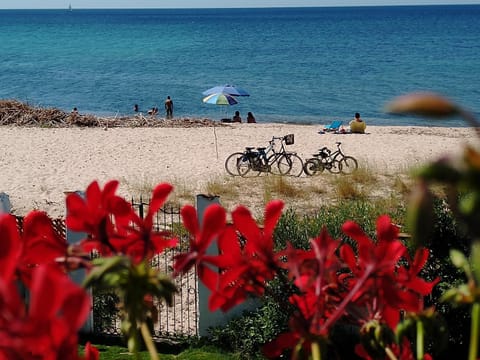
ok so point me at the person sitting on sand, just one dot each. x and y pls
(251, 118)
(357, 125)
(74, 111)
(236, 117)
(153, 111)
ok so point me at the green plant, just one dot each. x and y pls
(248, 332)
(245, 335)
(113, 352)
(461, 179)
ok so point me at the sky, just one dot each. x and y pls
(93, 4)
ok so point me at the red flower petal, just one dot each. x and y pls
(352, 229)
(273, 212)
(91, 352)
(42, 243)
(386, 231)
(245, 223)
(189, 218)
(10, 246)
(159, 196)
(214, 220)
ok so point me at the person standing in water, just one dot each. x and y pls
(169, 107)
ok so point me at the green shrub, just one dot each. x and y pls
(298, 229)
(247, 334)
(447, 234)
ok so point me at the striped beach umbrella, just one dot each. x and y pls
(220, 99)
(227, 89)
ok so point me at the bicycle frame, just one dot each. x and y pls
(335, 162)
(263, 159)
(266, 157)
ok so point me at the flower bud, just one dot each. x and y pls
(425, 104)
(419, 214)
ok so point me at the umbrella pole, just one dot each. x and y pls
(215, 135)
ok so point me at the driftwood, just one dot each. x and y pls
(16, 113)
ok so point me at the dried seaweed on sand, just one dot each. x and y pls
(16, 113)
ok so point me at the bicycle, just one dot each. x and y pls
(336, 162)
(254, 161)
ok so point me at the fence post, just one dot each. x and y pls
(207, 318)
(5, 206)
(79, 275)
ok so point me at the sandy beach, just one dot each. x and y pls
(40, 164)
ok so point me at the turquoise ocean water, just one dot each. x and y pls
(306, 65)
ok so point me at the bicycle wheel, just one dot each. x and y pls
(335, 166)
(313, 166)
(231, 164)
(348, 165)
(244, 166)
(284, 165)
(297, 165)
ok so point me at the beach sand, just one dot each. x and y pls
(38, 165)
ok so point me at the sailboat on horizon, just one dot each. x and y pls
(69, 7)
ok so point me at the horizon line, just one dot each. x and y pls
(238, 7)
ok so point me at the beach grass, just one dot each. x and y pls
(305, 194)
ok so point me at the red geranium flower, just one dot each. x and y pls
(214, 223)
(141, 241)
(247, 259)
(57, 310)
(10, 247)
(316, 274)
(91, 352)
(101, 214)
(380, 283)
(42, 244)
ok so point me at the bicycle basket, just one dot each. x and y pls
(289, 139)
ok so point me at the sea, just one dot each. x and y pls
(299, 65)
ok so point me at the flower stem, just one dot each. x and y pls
(420, 338)
(147, 337)
(390, 353)
(316, 351)
(341, 308)
(474, 331)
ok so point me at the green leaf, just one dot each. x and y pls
(419, 215)
(441, 170)
(475, 261)
(133, 344)
(104, 266)
(469, 203)
(459, 260)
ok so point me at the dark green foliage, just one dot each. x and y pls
(447, 234)
(298, 229)
(247, 334)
